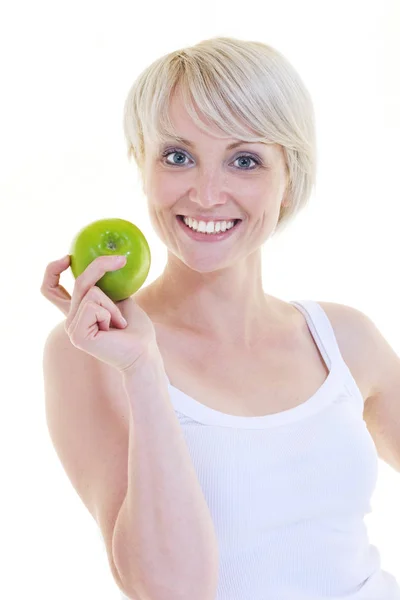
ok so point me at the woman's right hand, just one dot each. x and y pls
(90, 314)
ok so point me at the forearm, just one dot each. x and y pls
(165, 546)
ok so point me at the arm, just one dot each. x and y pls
(164, 532)
(122, 448)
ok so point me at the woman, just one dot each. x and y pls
(218, 438)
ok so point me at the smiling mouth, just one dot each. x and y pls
(235, 221)
(209, 235)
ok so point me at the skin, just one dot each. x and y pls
(206, 286)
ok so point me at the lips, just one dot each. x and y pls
(206, 220)
(207, 237)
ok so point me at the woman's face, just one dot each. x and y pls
(208, 179)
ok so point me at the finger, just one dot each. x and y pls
(90, 276)
(95, 294)
(51, 289)
(53, 271)
(117, 318)
(88, 321)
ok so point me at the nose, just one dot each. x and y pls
(209, 188)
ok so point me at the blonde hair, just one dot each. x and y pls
(239, 86)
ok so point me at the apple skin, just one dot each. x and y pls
(113, 237)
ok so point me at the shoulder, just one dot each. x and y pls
(381, 365)
(352, 326)
(362, 344)
(344, 314)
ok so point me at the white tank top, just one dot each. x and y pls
(288, 492)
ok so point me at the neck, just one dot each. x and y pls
(227, 306)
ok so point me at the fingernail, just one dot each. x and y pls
(124, 322)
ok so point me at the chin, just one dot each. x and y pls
(205, 264)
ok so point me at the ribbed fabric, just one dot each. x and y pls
(288, 492)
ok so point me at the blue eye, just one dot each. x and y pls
(246, 157)
(177, 152)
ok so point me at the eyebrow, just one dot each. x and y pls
(191, 145)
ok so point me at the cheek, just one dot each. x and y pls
(161, 198)
(163, 192)
(266, 195)
(257, 194)
(257, 200)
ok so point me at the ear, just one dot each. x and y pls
(143, 182)
(285, 201)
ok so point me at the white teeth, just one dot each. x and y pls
(210, 227)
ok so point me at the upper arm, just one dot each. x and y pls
(382, 407)
(86, 415)
(377, 363)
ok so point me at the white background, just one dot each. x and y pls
(66, 70)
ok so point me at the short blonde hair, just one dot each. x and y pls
(239, 86)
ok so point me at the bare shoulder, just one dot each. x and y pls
(108, 378)
(350, 324)
(361, 343)
(381, 364)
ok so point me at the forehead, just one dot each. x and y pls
(185, 127)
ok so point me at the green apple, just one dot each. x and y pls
(113, 237)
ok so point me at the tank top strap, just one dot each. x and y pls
(325, 338)
(322, 331)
